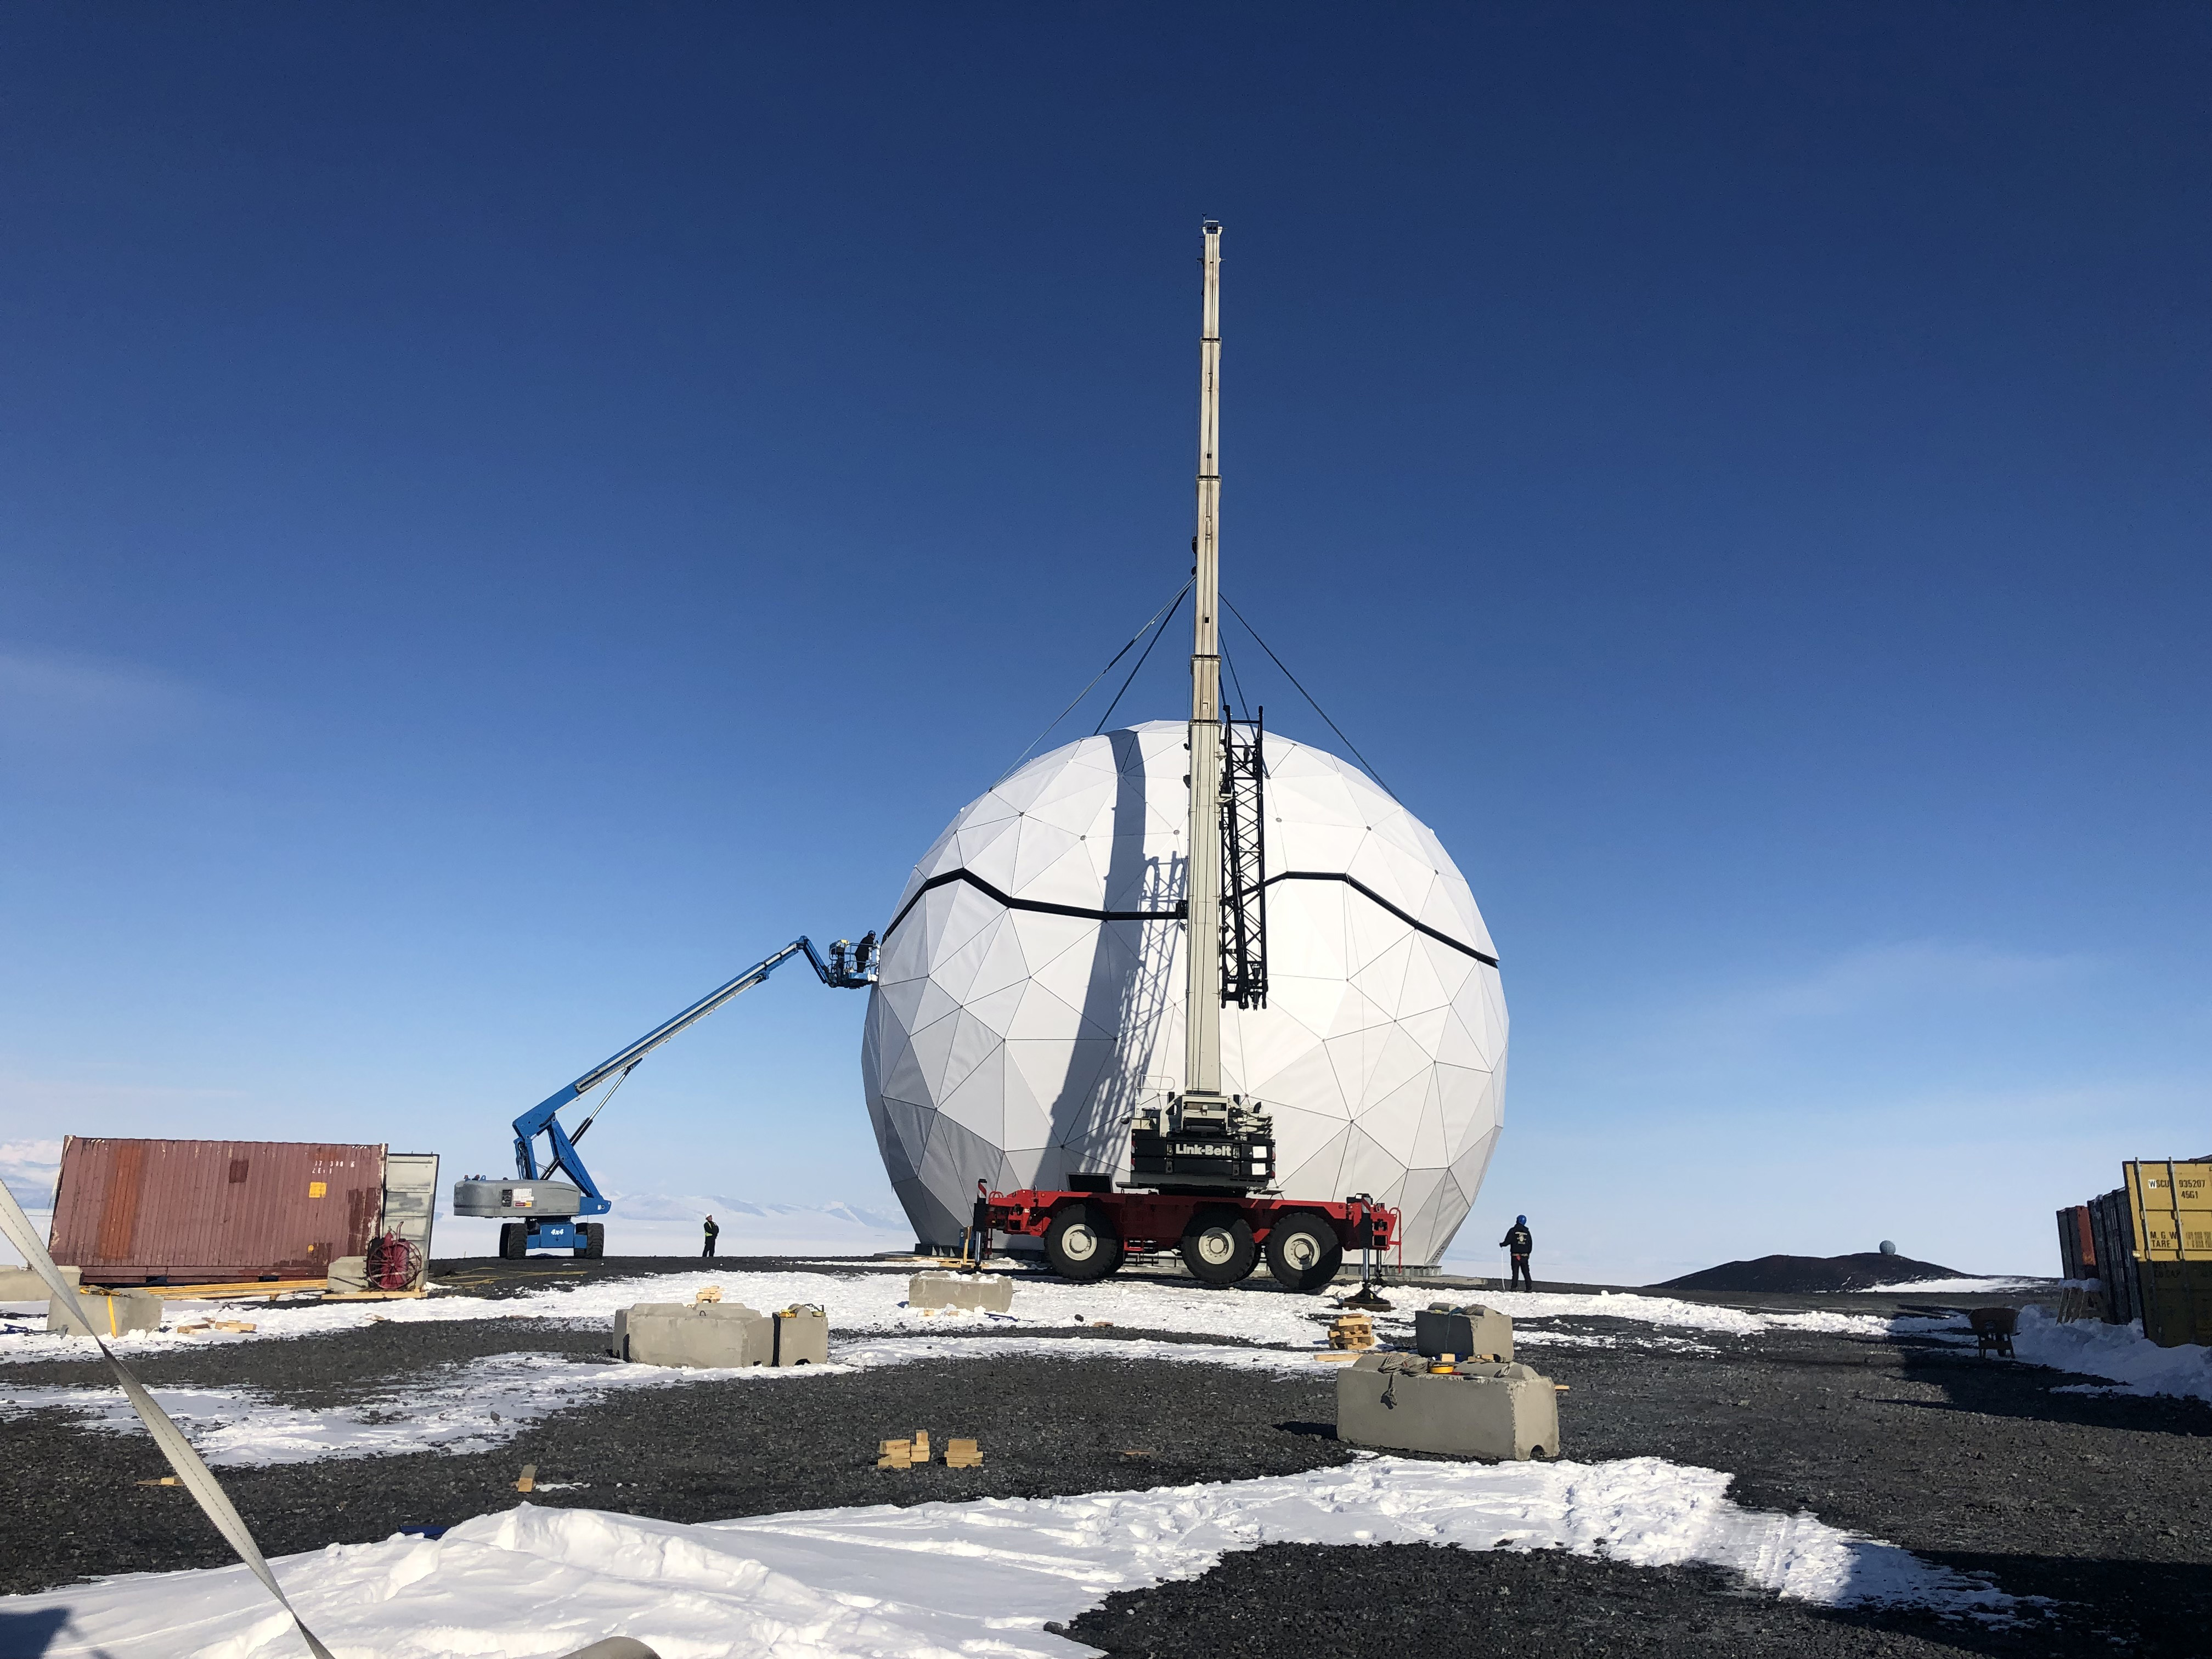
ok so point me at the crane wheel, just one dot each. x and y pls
(595, 1240)
(1080, 1244)
(1218, 1249)
(514, 1241)
(1303, 1252)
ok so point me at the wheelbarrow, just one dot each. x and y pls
(1993, 1329)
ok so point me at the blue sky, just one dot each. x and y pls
(509, 514)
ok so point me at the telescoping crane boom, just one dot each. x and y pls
(539, 1207)
(1202, 1168)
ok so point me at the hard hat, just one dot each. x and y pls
(1520, 1220)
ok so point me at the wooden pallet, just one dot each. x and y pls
(372, 1296)
(243, 1288)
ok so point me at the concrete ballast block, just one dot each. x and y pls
(985, 1292)
(21, 1285)
(349, 1275)
(802, 1337)
(1500, 1411)
(1472, 1331)
(712, 1335)
(116, 1313)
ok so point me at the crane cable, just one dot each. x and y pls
(1308, 696)
(1159, 619)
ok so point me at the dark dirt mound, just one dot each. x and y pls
(1805, 1275)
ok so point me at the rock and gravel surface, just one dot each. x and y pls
(2099, 1503)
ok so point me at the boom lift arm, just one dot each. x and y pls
(849, 967)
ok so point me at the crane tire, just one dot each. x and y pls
(1080, 1244)
(1218, 1247)
(595, 1240)
(514, 1240)
(1304, 1252)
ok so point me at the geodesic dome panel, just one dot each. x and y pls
(1030, 997)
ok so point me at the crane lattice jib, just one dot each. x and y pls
(1244, 864)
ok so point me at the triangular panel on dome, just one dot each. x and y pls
(1371, 933)
(997, 1010)
(1431, 1143)
(1460, 1043)
(1467, 1169)
(1393, 1118)
(1432, 1217)
(1396, 1062)
(1005, 961)
(1468, 1106)
(977, 1103)
(987, 849)
(1308, 1082)
(1319, 1175)
(1382, 977)
(1423, 990)
(905, 1138)
(1042, 851)
(956, 1160)
(903, 1074)
(1401, 878)
(933, 1225)
(1371, 1167)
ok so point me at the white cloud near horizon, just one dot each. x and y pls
(68, 700)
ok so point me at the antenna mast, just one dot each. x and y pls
(1202, 873)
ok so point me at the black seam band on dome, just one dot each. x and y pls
(1013, 903)
(1361, 887)
(1180, 913)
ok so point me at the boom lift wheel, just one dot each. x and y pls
(1303, 1252)
(1081, 1244)
(1218, 1248)
(595, 1240)
(514, 1240)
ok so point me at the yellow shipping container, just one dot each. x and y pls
(2177, 1298)
(2172, 1204)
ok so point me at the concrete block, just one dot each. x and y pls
(987, 1292)
(349, 1275)
(802, 1337)
(21, 1285)
(1494, 1411)
(116, 1313)
(712, 1334)
(1468, 1332)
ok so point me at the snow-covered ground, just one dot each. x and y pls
(932, 1581)
(478, 1404)
(876, 1301)
(1956, 1287)
(2135, 1364)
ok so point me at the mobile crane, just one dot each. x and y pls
(1202, 1168)
(540, 1211)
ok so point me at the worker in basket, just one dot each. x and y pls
(713, 1233)
(1518, 1243)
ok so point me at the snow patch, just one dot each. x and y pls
(862, 1303)
(2122, 1352)
(479, 1403)
(938, 1580)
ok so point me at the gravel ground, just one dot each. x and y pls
(2099, 1503)
(1315, 1601)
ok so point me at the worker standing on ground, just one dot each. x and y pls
(713, 1233)
(1519, 1243)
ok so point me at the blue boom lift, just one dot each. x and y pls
(541, 1210)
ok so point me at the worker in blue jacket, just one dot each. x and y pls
(1519, 1242)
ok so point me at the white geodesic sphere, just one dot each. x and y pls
(1032, 988)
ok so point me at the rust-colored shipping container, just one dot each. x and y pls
(212, 1211)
